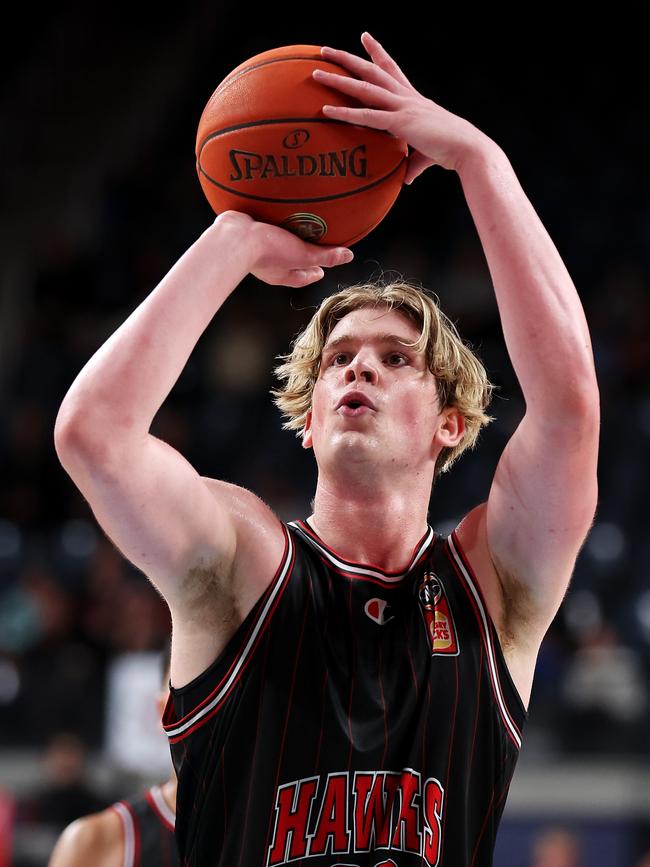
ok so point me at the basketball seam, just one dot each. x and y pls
(265, 122)
(235, 75)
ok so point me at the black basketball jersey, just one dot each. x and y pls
(356, 717)
(148, 826)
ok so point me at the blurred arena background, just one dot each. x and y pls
(99, 196)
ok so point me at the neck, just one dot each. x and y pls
(382, 528)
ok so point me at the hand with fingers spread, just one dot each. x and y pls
(437, 136)
(281, 258)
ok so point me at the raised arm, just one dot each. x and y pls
(544, 494)
(182, 530)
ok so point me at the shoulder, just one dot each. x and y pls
(261, 535)
(96, 839)
(256, 524)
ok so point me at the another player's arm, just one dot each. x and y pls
(177, 527)
(97, 839)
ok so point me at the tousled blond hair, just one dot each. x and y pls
(461, 378)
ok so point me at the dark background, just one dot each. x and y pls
(99, 197)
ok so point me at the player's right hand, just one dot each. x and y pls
(281, 258)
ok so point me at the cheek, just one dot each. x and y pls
(318, 405)
(418, 409)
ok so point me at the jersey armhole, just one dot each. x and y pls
(190, 706)
(515, 710)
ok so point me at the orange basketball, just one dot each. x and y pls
(265, 147)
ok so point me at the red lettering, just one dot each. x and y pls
(373, 808)
(409, 814)
(292, 823)
(433, 798)
(333, 819)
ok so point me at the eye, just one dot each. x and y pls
(398, 355)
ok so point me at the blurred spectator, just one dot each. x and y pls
(556, 847)
(64, 794)
(605, 695)
(148, 816)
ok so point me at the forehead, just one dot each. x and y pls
(369, 321)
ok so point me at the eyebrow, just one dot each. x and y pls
(377, 338)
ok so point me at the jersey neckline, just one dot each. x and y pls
(356, 568)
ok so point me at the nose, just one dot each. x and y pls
(361, 367)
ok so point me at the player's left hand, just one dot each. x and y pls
(437, 136)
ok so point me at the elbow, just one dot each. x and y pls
(580, 397)
(571, 406)
(587, 400)
(78, 437)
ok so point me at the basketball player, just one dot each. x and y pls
(350, 688)
(134, 832)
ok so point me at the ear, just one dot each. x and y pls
(307, 441)
(451, 428)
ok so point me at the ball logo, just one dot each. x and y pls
(439, 623)
(253, 166)
(296, 139)
(309, 227)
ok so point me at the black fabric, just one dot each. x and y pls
(155, 844)
(350, 720)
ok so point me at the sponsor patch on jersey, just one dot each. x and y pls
(437, 616)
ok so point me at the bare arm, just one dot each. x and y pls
(179, 528)
(543, 497)
(96, 839)
(544, 493)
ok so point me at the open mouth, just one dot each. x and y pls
(354, 408)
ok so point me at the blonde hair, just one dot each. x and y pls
(461, 378)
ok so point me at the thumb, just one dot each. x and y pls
(305, 276)
(328, 257)
(416, 165)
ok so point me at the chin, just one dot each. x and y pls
(354, 444)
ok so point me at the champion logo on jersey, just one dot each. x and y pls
(438, 619)
(376, 610)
